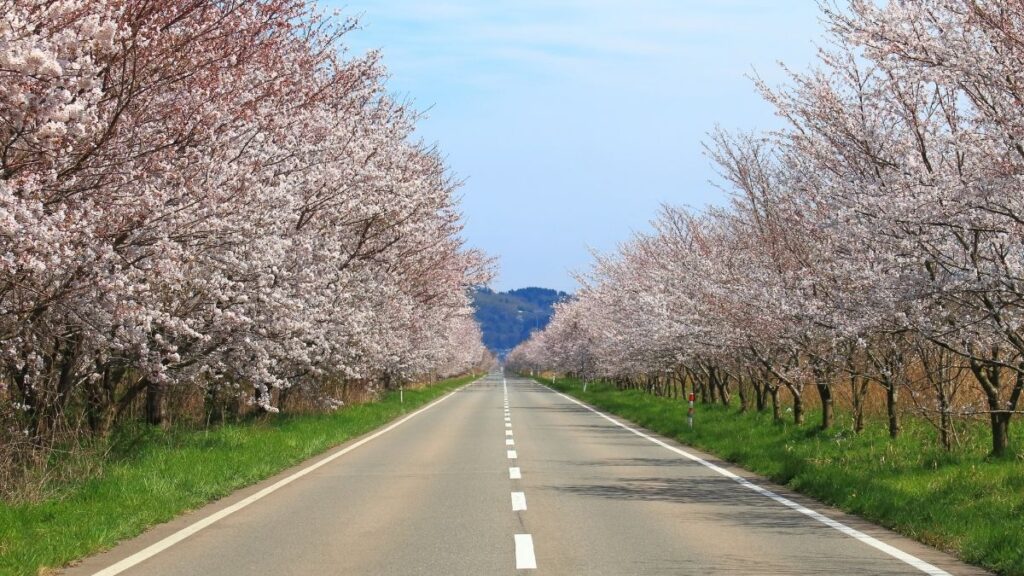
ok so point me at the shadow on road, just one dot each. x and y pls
(720, 499)
(630, 462)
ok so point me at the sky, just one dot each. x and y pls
(571, 121)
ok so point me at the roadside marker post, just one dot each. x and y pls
(689, 412)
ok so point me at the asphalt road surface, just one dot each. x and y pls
(507, 476)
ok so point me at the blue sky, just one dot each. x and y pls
(572, 120)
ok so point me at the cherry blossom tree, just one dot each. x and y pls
(878, 231)
(213, 196)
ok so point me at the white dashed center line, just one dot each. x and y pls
(525, 560)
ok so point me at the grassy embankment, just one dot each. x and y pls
(959, 501)
(164, 473)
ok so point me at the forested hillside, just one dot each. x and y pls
(508, 318)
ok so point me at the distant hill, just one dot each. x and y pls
(507, 318)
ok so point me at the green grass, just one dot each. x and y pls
(165, 473)
(961, 502)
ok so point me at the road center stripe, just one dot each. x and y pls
(525, 559)
(514, 473)
(518, 501)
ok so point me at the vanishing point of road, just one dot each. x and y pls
(507, 476)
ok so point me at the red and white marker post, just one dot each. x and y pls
(689, 413)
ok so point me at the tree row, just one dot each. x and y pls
(212, 199)
(875, 242)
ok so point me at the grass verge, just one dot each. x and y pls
(166, 473)
(961, 502)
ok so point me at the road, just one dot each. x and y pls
(506, 477)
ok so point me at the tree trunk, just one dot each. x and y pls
(99, 398)
(282, 397)
(29, 400)
(97, 409)
(1000, 432)
(723, 387)
(999, 416)
(825, 393)
(823, 383)
(155, 403)
(858, 391)
(887, 364)
(798, 408)
(773, 391)
(66, 374)
(891, 396)
(945, 420)
(760, 394)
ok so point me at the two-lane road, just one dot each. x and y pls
(505, 474)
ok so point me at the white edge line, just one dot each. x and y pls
(525, 559)
(852, 532)
(160, 546)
